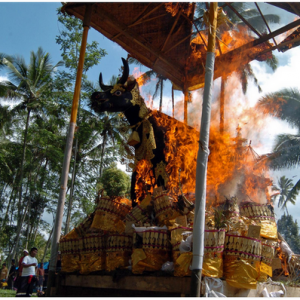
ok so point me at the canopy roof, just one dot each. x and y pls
(165, 37)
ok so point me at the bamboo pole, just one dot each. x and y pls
(68, 153)
(203, 152)
(67, 226)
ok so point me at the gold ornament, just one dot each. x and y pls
(161, 170)
(117, 87)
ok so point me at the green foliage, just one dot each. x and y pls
(289, 229)
(284, 105)
(287, 193)
(219, 218)
(7, 293)
(115, 182)
(70, 42)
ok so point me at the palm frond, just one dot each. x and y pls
(284, 104)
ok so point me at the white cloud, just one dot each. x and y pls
(3, 78)
(286, 76)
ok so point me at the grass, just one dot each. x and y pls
(10, 293)
(7, 293)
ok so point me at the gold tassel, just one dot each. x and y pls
(134, 139)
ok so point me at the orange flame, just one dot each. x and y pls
(283, 259)
(144, 179)
(232, 166)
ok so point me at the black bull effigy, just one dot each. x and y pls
(165, 149)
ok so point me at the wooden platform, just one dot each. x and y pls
(105, 285)
(70, 285)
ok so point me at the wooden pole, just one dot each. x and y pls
(202, 158)
(186, 99)
(172, 101)
(67, 155)
(222, 103)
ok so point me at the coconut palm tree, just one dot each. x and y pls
(286, 194)
(147, 77)
(29, 84)
(284, 105)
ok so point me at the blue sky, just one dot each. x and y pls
(24, 26)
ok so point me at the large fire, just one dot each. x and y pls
(232, 164)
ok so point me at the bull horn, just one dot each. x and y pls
(102, 85)
(124, 77)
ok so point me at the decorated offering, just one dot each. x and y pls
(151, 249)
(110, 213)
(242, 256)
(118, 251)
(262, 215)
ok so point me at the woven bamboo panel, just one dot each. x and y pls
(164, 208)
(214, 240)
(119, 242)
(137, 214)
(115, 206)
(177, 237)
(257, 211)
(245, 247)
(156, 239)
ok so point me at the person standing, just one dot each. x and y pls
(3, 275)
(41, 277)
(25, 253)
(12, 275)
(19, 274)
(28, 277)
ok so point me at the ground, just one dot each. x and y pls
(7, 293)
(10, 293)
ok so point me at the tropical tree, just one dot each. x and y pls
(147, 76)
(115, 182)
(284, 105)
(290, 232)
(28, 84)
(70, 41)
(286, 194)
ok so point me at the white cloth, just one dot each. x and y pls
(30, 270)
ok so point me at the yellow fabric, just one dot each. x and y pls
(264, 268)
(241, 273)
(91, 262)
(70, 262)
(213, 265)
(268, 229)
(71, 235)
(153, 262)
(182, 262)
(108, 222)
(138, 255)
(117, 259)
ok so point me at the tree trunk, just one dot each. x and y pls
(102, 154)
(72, 189)
(22, 163)
(47, 245)
(29, 212)
(13, 193)
(19, 227)
(3, 190)
(13, 252)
